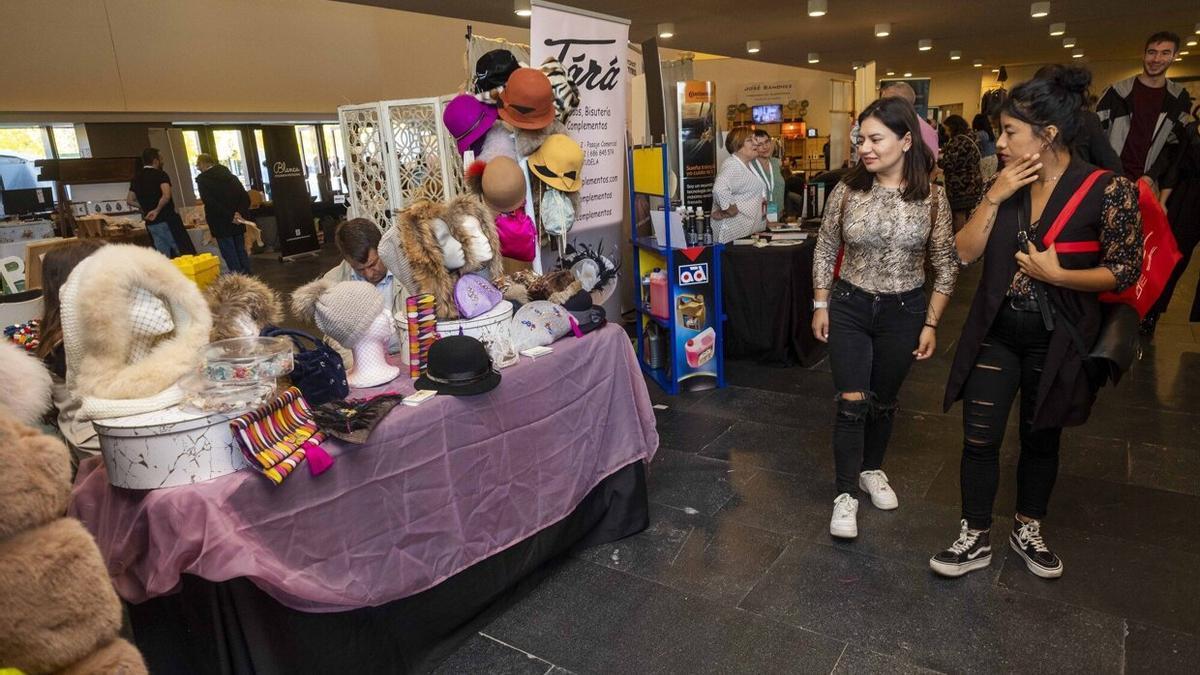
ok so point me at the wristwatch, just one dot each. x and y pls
(820, 304)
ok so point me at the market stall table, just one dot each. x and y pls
(768, 304)
(368, 566)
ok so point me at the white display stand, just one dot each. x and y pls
(398, 152)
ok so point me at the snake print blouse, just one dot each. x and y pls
(887, 241)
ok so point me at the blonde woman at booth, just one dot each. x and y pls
(739, 193)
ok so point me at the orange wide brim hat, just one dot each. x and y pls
(527, 101)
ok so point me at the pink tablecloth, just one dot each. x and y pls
(435, 489)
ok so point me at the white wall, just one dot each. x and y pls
(731, 74)
(225, 56)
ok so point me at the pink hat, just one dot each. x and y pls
(468, 119)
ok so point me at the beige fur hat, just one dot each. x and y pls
(344, 311)
(241, 306)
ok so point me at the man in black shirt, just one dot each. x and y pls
(225, 200)
(150, 190)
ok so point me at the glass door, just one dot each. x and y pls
(230, 151)
(310, 156)
(334, 158)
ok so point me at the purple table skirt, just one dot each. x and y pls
(436, 489)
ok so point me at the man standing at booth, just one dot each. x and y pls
(150, 191)
(225, 202)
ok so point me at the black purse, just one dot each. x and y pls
(319, 372)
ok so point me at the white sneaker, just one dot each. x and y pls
(875, 483)
(844, 523)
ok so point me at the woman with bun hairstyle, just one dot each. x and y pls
(739, 192)
(1030, 299)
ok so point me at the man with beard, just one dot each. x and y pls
(1144, 114)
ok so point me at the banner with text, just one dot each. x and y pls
(289, 192)
(769, 93)
(697, 142)
(594, 50)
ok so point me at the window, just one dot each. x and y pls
(261, 146)
(28, 143)
(332, 134)
(191, 144)
(229, 151)
(310, 156)
(66, 142)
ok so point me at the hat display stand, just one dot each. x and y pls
(371, 367)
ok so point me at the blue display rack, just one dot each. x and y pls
(695, 333)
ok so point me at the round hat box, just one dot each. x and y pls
(168, 447)
(481, 328)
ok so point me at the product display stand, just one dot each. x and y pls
(684, 341)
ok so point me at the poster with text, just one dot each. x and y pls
(697, 142)
(594, 50)
(289, 192)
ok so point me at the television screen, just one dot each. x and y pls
(812, 132)
(767, 114)
(27, 201)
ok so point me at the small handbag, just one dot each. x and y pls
(475, 296)
(518, 236)
(319, 372)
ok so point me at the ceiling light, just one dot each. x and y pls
(978, 63)
(883, 29)
(955, 55)
(1057, 29)
(1068, 42)
(817, 7)
(753, 47)
(995, 70)
(1192, 42)
(1198, 29)
(521, 8)
(858, 64)
(1039, 9)
(891, 72)
(1184, 53)
(924, 44)
(1077, 54)
(814, 57)
(666, 30)
(908, 74)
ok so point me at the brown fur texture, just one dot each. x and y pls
(57, 604)
(528, 141)
(554, 284)
(102, 306)
(36, 483)
(241, 306)
(419, 245)
(30, 399)
(469, 205)
(116, 658)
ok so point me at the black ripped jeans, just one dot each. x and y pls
(871, 342)
(1012, 358)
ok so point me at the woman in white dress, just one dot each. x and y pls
(739, 193)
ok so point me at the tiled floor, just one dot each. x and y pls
(737, 571)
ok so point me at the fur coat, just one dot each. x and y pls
(58, 609)
(108, 356)
(28, 402)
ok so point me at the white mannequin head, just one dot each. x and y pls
(371, 368)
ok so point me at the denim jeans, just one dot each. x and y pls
(871, 342)
(160, 234)
(233, 252)
(1012, 358)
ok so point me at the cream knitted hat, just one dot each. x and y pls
(344, 311)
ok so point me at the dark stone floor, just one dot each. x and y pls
(737, 571)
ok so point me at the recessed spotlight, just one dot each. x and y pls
(857, 64)
(817, 7)
(995, 70)
(908, 74)
(1184, 53)
(814, 57)
(666, 30)
(1077, 54)
(883, 29)
(1068, 42)
(1192, 42)
(521, 8)
(1198, 29)
(924, 44)
(1039, 9)
(1057, 29)
(753, 47)
(978, 63)
(891, 72)
(955, 55)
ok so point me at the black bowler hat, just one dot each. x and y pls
(493, 68)
(459, 365)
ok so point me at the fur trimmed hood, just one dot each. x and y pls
(241, 306)
(470, 206)
(108, 355)
(416, 243)
(29, 401)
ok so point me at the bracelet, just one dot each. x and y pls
(988, 199)
(930, 325)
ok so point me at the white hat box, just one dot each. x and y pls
(482, 327)
(167, 448)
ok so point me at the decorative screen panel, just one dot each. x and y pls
(455, 182)
(417, 150)
(366, 155)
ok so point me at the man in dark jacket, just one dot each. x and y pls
(225, 202)
(1144, 115)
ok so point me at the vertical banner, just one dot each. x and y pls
(594, 50)
(697, 137)
(289, 192)
(695, 314)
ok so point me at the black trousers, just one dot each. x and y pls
(871, 342)
(1011, 360)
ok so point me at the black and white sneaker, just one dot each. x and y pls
(1026, 539)
(972, 551)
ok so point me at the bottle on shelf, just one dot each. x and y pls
(659, 300)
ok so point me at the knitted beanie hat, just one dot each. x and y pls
(344, 311)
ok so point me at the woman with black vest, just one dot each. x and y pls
(1030, 300)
